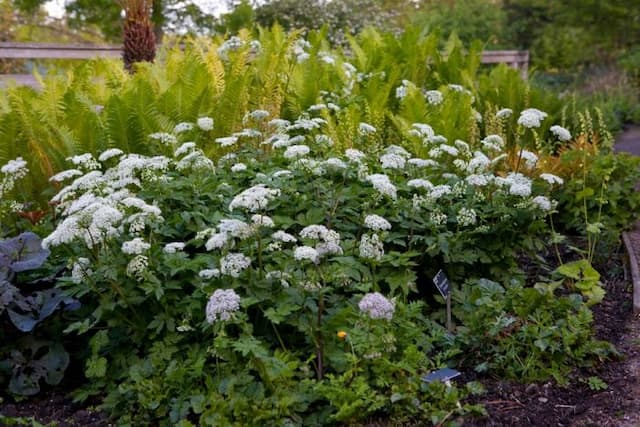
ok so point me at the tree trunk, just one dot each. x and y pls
(139, 39)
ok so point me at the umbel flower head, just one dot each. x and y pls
(376, 306)
(222, 304)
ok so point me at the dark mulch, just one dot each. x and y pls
(54, 408)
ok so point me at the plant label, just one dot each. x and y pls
(444, 375)
(442, 283)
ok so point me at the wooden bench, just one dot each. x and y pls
(10, 50)
(518, 59)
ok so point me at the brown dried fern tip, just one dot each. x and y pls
(138, 36)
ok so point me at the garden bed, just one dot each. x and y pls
(511, 403)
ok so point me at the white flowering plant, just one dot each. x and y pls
(261, 265)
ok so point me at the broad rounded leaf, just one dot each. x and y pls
(25, 251)
(23, 322)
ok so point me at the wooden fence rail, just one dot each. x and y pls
(10, 50)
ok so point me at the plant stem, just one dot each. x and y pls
(555, 243)
(319, 342)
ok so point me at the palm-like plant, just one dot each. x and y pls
(138, 36)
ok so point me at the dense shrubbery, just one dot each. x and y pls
(266, 255)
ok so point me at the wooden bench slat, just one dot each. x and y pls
(518, 59)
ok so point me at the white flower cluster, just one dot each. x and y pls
(328, 241)
(383, 185)
(519, 185)
(65, 175)
(256, 115)
(376, 223)
(205, 123)
(80, 270)
(173, 247)
(227, 141)
(239, 167)
(543, 203)
(109, 154)
(354, 155)
(136, 246)
(493, 143)
(392, 161)
(284, 237)
(530, 159)
(96, 205)
(299, 50)
(185, 148)
(306, 253)
(504, 113)
(13, 171)
(222, 304)
(434, 97)
(420, 183)
(551, 179)
(233, 264)
(295, 151)
(164, 138)
(228, 228)
(183, 127)
(422, 163)
(422, 130)
(531, 118)
(85, 161)
(371, 247)
(209, 273)
(376, 306)
(137, 267)
(233, 44)
(17, 168)
(561, 133)
(254, 199)
(403, 89)
(466, 217)
(366, 129)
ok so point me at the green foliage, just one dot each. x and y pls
(582, 277)
(471, 20)
(525, 333)
(600, 193)
(596, 384)
(341, 19)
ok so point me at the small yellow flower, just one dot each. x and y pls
(342, 335)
